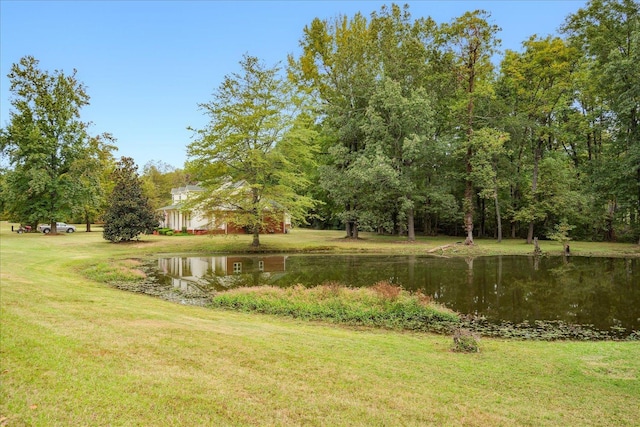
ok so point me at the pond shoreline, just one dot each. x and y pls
(538, 331)
(543, 330)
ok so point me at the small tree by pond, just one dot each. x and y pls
(129, 213)
(561, 235)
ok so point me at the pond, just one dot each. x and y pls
(603, 292)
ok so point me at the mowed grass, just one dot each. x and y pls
(76, 352)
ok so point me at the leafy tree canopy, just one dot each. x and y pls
(46, 144)
(252, 156)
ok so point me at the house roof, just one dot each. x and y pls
(170, 207)
(186, 188)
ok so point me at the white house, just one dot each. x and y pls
(176, 217)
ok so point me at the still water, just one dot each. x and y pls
(603, 292)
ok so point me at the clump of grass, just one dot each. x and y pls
(112, 271)
(382, 305)
(464, 341)
(387, 291)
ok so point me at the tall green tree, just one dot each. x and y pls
(608, 34)
(129, 213)
(93, 169)
(400, 115)
(537, 85)
(472, 41)
(43, 141)
(488, 147)
(398, 131)
(337, 65)
(252, 156)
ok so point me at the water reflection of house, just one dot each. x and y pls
(178, 218)
(201, 269)
(237, 265)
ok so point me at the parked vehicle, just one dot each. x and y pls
(60, 227)
(22, 229)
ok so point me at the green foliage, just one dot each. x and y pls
(607, 32)
(561, 232)
(158, 178)
(47, 146)
(339, 65)
(398, 132)
(396, 123)
(382, 305)
(93, 169)
(371, 77)
(537, 86)
(253, 155)
(488, 148)
(129, 213)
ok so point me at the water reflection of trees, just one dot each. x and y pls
(595, 291)
(599, 291)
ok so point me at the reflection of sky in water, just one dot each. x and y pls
(604, 292)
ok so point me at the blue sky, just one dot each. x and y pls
(148, 64)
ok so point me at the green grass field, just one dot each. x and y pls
(74, 351)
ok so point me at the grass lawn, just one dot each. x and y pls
(77, 352)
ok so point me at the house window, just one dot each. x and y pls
(261, 265)
(237, 267)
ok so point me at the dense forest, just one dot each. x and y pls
(384, 122)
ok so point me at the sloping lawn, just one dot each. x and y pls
(77, 352)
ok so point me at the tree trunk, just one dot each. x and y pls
(468, 192)
(54, 226)
(610, 234)
(483, 217)
(468, 211)
(498, 218)
(536, 247)
(534, 185)
(468, 200)
(258, 219)
(347, 227)
(638, 216)
(530, 233)
(397, 230)
(411, 231)
(87, 221)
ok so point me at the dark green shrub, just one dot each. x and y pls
(129, 213)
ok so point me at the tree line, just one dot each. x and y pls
(384, 123)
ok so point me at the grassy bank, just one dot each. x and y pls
(382, 306)
(76, 352)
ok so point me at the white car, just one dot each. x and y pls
(60, 227)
